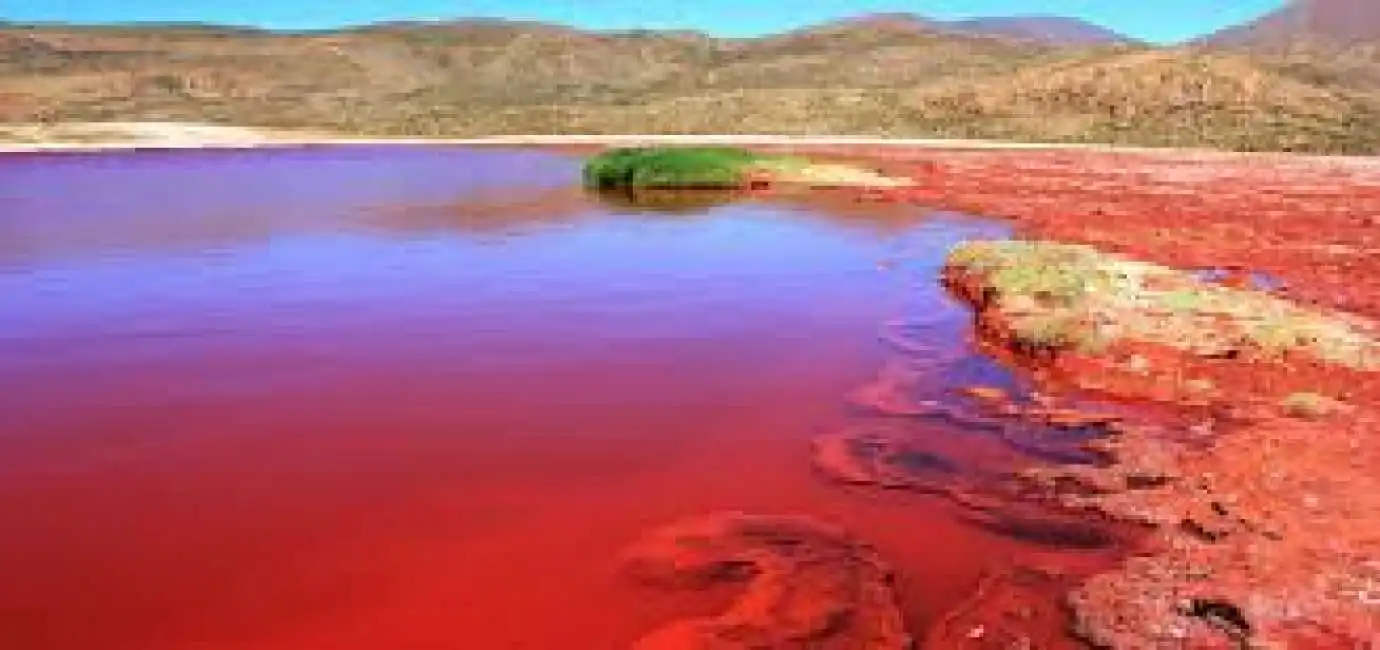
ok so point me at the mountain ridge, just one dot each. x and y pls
(1034, 26)
(880, 74)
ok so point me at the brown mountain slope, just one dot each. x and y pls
(1342, 21)
(363, 75)
(1354, 66)
(882, 75)
(1158, 97)
(1150, 98)
(343, 79)
(1328, 43)
(215, 75)
(873, 51)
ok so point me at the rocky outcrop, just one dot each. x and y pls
(1262, 490)
(1269, 539)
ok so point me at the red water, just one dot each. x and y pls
(393, 398)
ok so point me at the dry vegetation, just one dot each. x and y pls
(882, 76)
(1056, 295)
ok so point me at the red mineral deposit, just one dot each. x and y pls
(805, 585)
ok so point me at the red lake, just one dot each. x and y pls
(378, 398)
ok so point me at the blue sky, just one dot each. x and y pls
(1161, 20)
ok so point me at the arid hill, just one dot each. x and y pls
(1043, 80)
(1326, 43)
(1339, 21)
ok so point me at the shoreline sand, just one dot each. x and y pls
(129, 136)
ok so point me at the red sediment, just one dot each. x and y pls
(1268, 524)
(1042, 411)
(1270, 537)
(1268, 520)
(1308, 221)
(900, 458)
(1015, 606)
(888, 394)
(974, 473)
(1019, 607)
(808, 585)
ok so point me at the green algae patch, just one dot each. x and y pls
(679, 167)
(1053, 296)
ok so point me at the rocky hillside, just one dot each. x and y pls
(1028, 79)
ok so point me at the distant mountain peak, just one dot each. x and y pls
(1327, 20)
(1055, 30)
(889, 22)
(887, 17)
(1045, 29)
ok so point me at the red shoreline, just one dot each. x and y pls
(1266, 566)
(1309, 221)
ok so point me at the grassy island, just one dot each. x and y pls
(677, 167)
